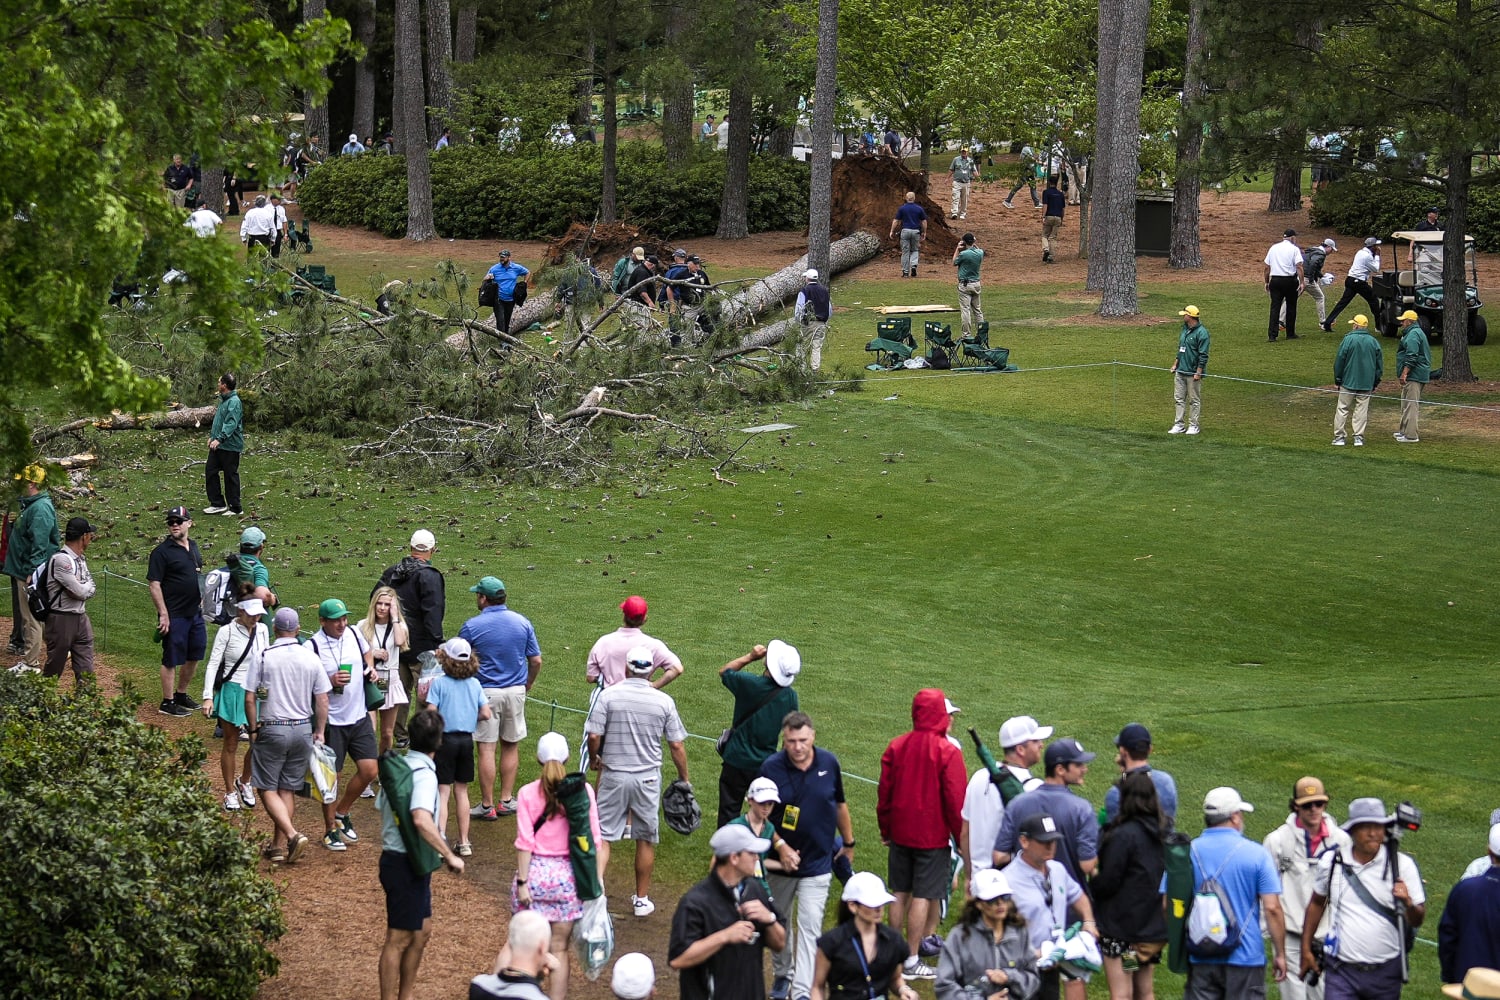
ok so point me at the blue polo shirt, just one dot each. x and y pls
(808, 814)
(502, 639)
(1249, 874)
(1074, 816)
(911, 215)
(1166, 791)
(506, 274)
(1055, 201)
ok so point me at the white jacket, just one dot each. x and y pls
(1288, 846)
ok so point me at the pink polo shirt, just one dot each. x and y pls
(607, 658)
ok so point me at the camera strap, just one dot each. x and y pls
(1365, 896)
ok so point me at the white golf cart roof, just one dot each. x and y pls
(1412, 236)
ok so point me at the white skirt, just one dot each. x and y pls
(395, 692)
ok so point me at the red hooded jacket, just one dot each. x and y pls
(922, 779)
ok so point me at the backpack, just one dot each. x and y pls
(289, 154)
(218, 596)
(1312, 263)
(39, 590)
(1213, 928)
(489, 292)
(396, 785)
(620, 278)
(938, 358)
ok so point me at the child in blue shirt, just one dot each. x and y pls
(460, 700)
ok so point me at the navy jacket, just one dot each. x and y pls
(1469, 933)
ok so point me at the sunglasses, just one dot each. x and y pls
(1313, 805)
(175, 522)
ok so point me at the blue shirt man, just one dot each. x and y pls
(1134, 742)
(505, 274)
(509, 661)
(1248, 874)
(1066, 762)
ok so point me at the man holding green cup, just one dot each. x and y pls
(348, 661)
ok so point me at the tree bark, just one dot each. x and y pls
(1110, 13)
(411, 116)
(608, 208)
(1186, 251)
(439, 67)
(734, 209)
(316, 114)
(1456, 364)
(1286, 183)
(677, 95)
(781, 287)
(825, 99)
(468, 26)
(1118, 292)
(364, 71)
(187, 418)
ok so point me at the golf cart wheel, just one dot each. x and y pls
(1479, 330)
(1425, 322)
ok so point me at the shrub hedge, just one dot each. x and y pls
(1364, 205)
(121, 877)
(483, 192)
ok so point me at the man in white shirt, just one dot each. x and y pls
(1021, 740)
(203, 222)
(258, 225)
(1363, 951)
(347, 660)
(1366, 262)
(1284, 281)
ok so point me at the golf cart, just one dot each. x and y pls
(1421, 288)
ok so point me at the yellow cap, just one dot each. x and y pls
(1360, 321)
(1407, 315)
(33, 474)
(1189, 311)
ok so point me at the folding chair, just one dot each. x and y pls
(940, 336)
(889, 353)
(980, 339)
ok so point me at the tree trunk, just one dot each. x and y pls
(1456, 364)
(781, 140)
(825, 99)
(364, 72)
(1118, 296)
(411, 120)
(463, 42)
(924, 139)
(1110, 12)
(316, 115)
(734, 210)
(677, 95)
(1286, 182)
(1186, 252)
(439, 67)
(608, 210)
(782, 287)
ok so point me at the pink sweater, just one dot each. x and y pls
(550, 840)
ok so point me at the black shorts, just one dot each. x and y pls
(454, 760)
(923, 872)
(408, 896)
(185, 643)
(356, 741)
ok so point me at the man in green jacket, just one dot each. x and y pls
(33, 541)
(1413, 369)
(1356, 371)
(226, 440)
(968, 258)
(1187, 371)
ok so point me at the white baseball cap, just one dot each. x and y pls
(811, 272)
(552, 747)
(1495, 839)
(640, 660)
(1022, 729)
(951, 708)
(422, 540)
(1225, 802)
(763, 790)
(634, 977)
(458, 649)
(989, 883)
(783, 662)
(867, 889)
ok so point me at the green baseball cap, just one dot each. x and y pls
(490, 586)
(333, 609)
(253, 537)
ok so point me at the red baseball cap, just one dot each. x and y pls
(634, 606)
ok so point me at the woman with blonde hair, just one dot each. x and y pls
(236, 646)
(386, 634)
(544, 870)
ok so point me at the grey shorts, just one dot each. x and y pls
(507, 719)
(279, 757)
(356, 741)
(1225, 982)
(636, 794)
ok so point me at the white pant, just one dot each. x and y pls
(807, 896)
(960, 198)
(1292, 987)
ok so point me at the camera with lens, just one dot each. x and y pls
(1408, 817)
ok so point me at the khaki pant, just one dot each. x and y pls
(813, 333)
(1361, 402)
(960, 198)
(1411, 398)
(1314, 291)
(31, 629)
(970, 315)
(1187, 393)
(1050, 225)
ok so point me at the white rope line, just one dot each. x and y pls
(954, 374)
(1311, 388)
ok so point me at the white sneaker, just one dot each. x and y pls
(1359, 442)
(214, 510)
(1338, 442)
(642, 905)
(247, 794)
(915, 968)
(1177, 429)
(1404, 439)
(232, 802)
(1007, 204)
(25, 668)
(1193, 429)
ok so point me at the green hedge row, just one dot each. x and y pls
(1364, 205)
(122, 876)
(482, 192)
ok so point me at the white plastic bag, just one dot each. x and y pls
(321, 774)
(594, 937)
